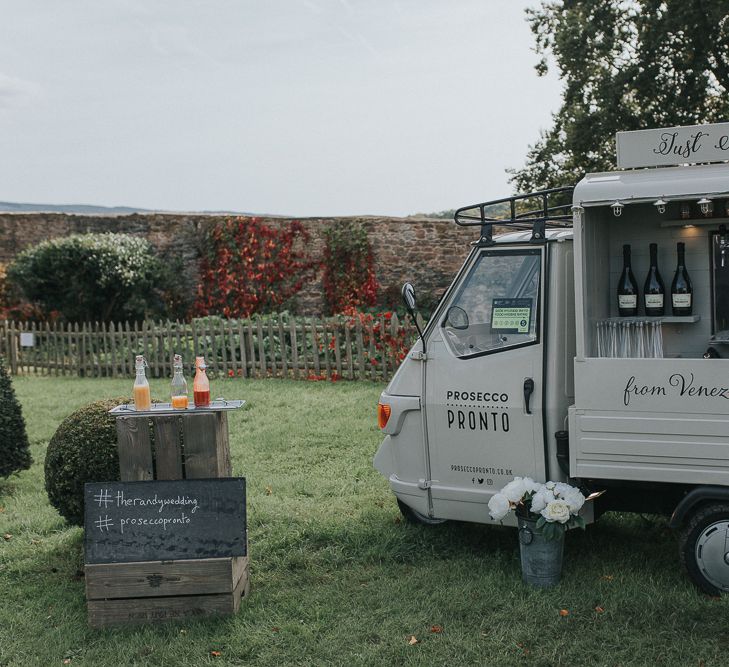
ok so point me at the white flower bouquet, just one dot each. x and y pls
(554, 505)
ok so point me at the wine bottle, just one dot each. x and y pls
(654, 289)
(681, 290)
(627, 288)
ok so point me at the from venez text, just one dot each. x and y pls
(683, 386)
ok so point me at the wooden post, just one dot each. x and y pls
(13, 349)
(230, 330)
(261, 351)
(325, 341)
(251, 348)
(223, 346)
(348, 348)
(135, 449)
(282, 346)
(63, 339)
(208, 343)
(361, 371)
(315, 346)
(195, 342)
(205, 438)
(167, 447)
(128, 349)
(242, 346)
(372, 352)
(78, 357)
(337, 351)
(179, 348)
(304, 348)
(294, 348)
(271, 347)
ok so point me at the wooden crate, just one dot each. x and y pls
(188, 446)
(168, 447)
(160, 591)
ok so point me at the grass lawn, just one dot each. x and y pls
(337, 577)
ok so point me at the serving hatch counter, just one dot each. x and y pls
(648, 405)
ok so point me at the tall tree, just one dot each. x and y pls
(626, 65)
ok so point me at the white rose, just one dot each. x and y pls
(498, 506)
(562, 489)
(557, 511)
(544, 496)
(514, 490)
(531, 486)
(541, 498)
(575, 500)
(550, 485)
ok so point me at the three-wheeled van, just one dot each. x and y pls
(527, 368)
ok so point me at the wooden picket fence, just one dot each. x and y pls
(341, 347)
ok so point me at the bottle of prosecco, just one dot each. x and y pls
(627, 288)
(654, 289)
(682, 291)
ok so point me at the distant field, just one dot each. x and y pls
(337, 577)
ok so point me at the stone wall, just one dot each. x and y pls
(427, 252)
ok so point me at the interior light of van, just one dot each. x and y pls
(383, 414)
(706, 206)
(617, 207)
(660, 206)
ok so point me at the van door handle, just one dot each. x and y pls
(528, 391)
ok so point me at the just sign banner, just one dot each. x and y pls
(673, 146)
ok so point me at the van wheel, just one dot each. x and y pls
(704, 548)
(413, 516)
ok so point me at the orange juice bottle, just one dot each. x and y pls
(179, 386)
(142, 396)
(201, 384)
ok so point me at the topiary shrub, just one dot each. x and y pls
(14, 447)
(83, 449)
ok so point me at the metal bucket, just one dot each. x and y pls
(541, 560)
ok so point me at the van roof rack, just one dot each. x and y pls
(535, 211)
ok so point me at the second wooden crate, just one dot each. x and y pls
(159, 591)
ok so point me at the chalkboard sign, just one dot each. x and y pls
(165, 520)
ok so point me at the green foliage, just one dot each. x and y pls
(626, 65)
(349, 272)
(551, 530)
(88, 277)
(14, 447)
(83, 449)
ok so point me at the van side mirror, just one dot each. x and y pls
(408, 297)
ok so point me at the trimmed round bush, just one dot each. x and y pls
(83, 449)
(14, 448)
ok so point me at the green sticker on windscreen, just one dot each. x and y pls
(511, 315)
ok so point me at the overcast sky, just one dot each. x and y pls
(300, 107)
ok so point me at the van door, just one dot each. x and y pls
(484, 382)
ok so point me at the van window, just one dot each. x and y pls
(497, 306)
